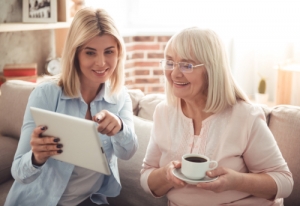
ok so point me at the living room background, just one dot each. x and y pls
(259, 35)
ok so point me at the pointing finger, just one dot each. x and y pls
(100, 116)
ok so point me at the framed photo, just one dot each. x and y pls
(40, 11)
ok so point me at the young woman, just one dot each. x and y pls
(90, 87)
(207, 113)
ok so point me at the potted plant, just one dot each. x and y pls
(261, 96)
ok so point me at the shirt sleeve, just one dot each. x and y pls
(262, 154)
(22, 169)
(125, 142)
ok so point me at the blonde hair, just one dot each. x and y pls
(205, 46)
(87, 24)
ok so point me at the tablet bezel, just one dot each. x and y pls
(81, 142)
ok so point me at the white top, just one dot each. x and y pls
(238, 138)
(82, 183)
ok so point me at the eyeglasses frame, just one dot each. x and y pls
(177, 63)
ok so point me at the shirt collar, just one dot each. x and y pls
(103, 94)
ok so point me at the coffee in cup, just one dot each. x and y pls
(195, 166)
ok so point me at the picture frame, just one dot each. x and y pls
(39, 11)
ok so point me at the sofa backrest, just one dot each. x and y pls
(283, 120)
(13, 101)
(285, 125)
(147, 105)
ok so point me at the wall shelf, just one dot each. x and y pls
(13, 27)
(60, 28)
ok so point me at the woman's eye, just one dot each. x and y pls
(169, 63)
(109, 52)
(186, 66)
(90, 53)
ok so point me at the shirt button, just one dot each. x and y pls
(105, 142)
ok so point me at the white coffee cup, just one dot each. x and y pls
(194, 166)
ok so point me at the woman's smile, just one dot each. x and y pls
(100, 72)
(181, 83)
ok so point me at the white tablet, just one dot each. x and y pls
(81, 144)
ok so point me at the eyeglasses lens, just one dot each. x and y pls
(184, 67)
(168, 65)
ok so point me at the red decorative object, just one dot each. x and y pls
(26, 72)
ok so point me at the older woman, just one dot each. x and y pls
(207, 113)
(91, 87)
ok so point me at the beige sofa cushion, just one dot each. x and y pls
(132, 193)
(135, 95)
(12, 110)
(285, 125)
(147, 105)
(8, 148)
(4, 189)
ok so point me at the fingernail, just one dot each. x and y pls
(44, 128)
(59, 151)
(56, 140)
(59, 146)
(209, 173)
(98, 118)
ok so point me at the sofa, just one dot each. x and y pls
(283, 121)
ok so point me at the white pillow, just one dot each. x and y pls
(135, 95)
(147, 105)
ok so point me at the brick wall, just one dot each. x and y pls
(142, 69)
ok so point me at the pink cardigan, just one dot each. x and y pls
(238, 138)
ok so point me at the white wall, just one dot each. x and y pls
(260, 34)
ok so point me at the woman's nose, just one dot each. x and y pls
(176, 70)
(100, 61)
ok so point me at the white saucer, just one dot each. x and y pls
(177, 173)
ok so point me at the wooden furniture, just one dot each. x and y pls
(61, 27)
(288, 84)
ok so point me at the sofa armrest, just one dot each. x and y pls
(285, 125)
(13, 101)
(8, 148)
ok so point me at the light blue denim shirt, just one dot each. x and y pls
(35, 186)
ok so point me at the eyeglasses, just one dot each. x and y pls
(183, 66)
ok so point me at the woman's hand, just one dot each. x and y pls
(174, 181)
(108, 123)
(228, 180)
(161, 180)
(259, 185)
(43, 147)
